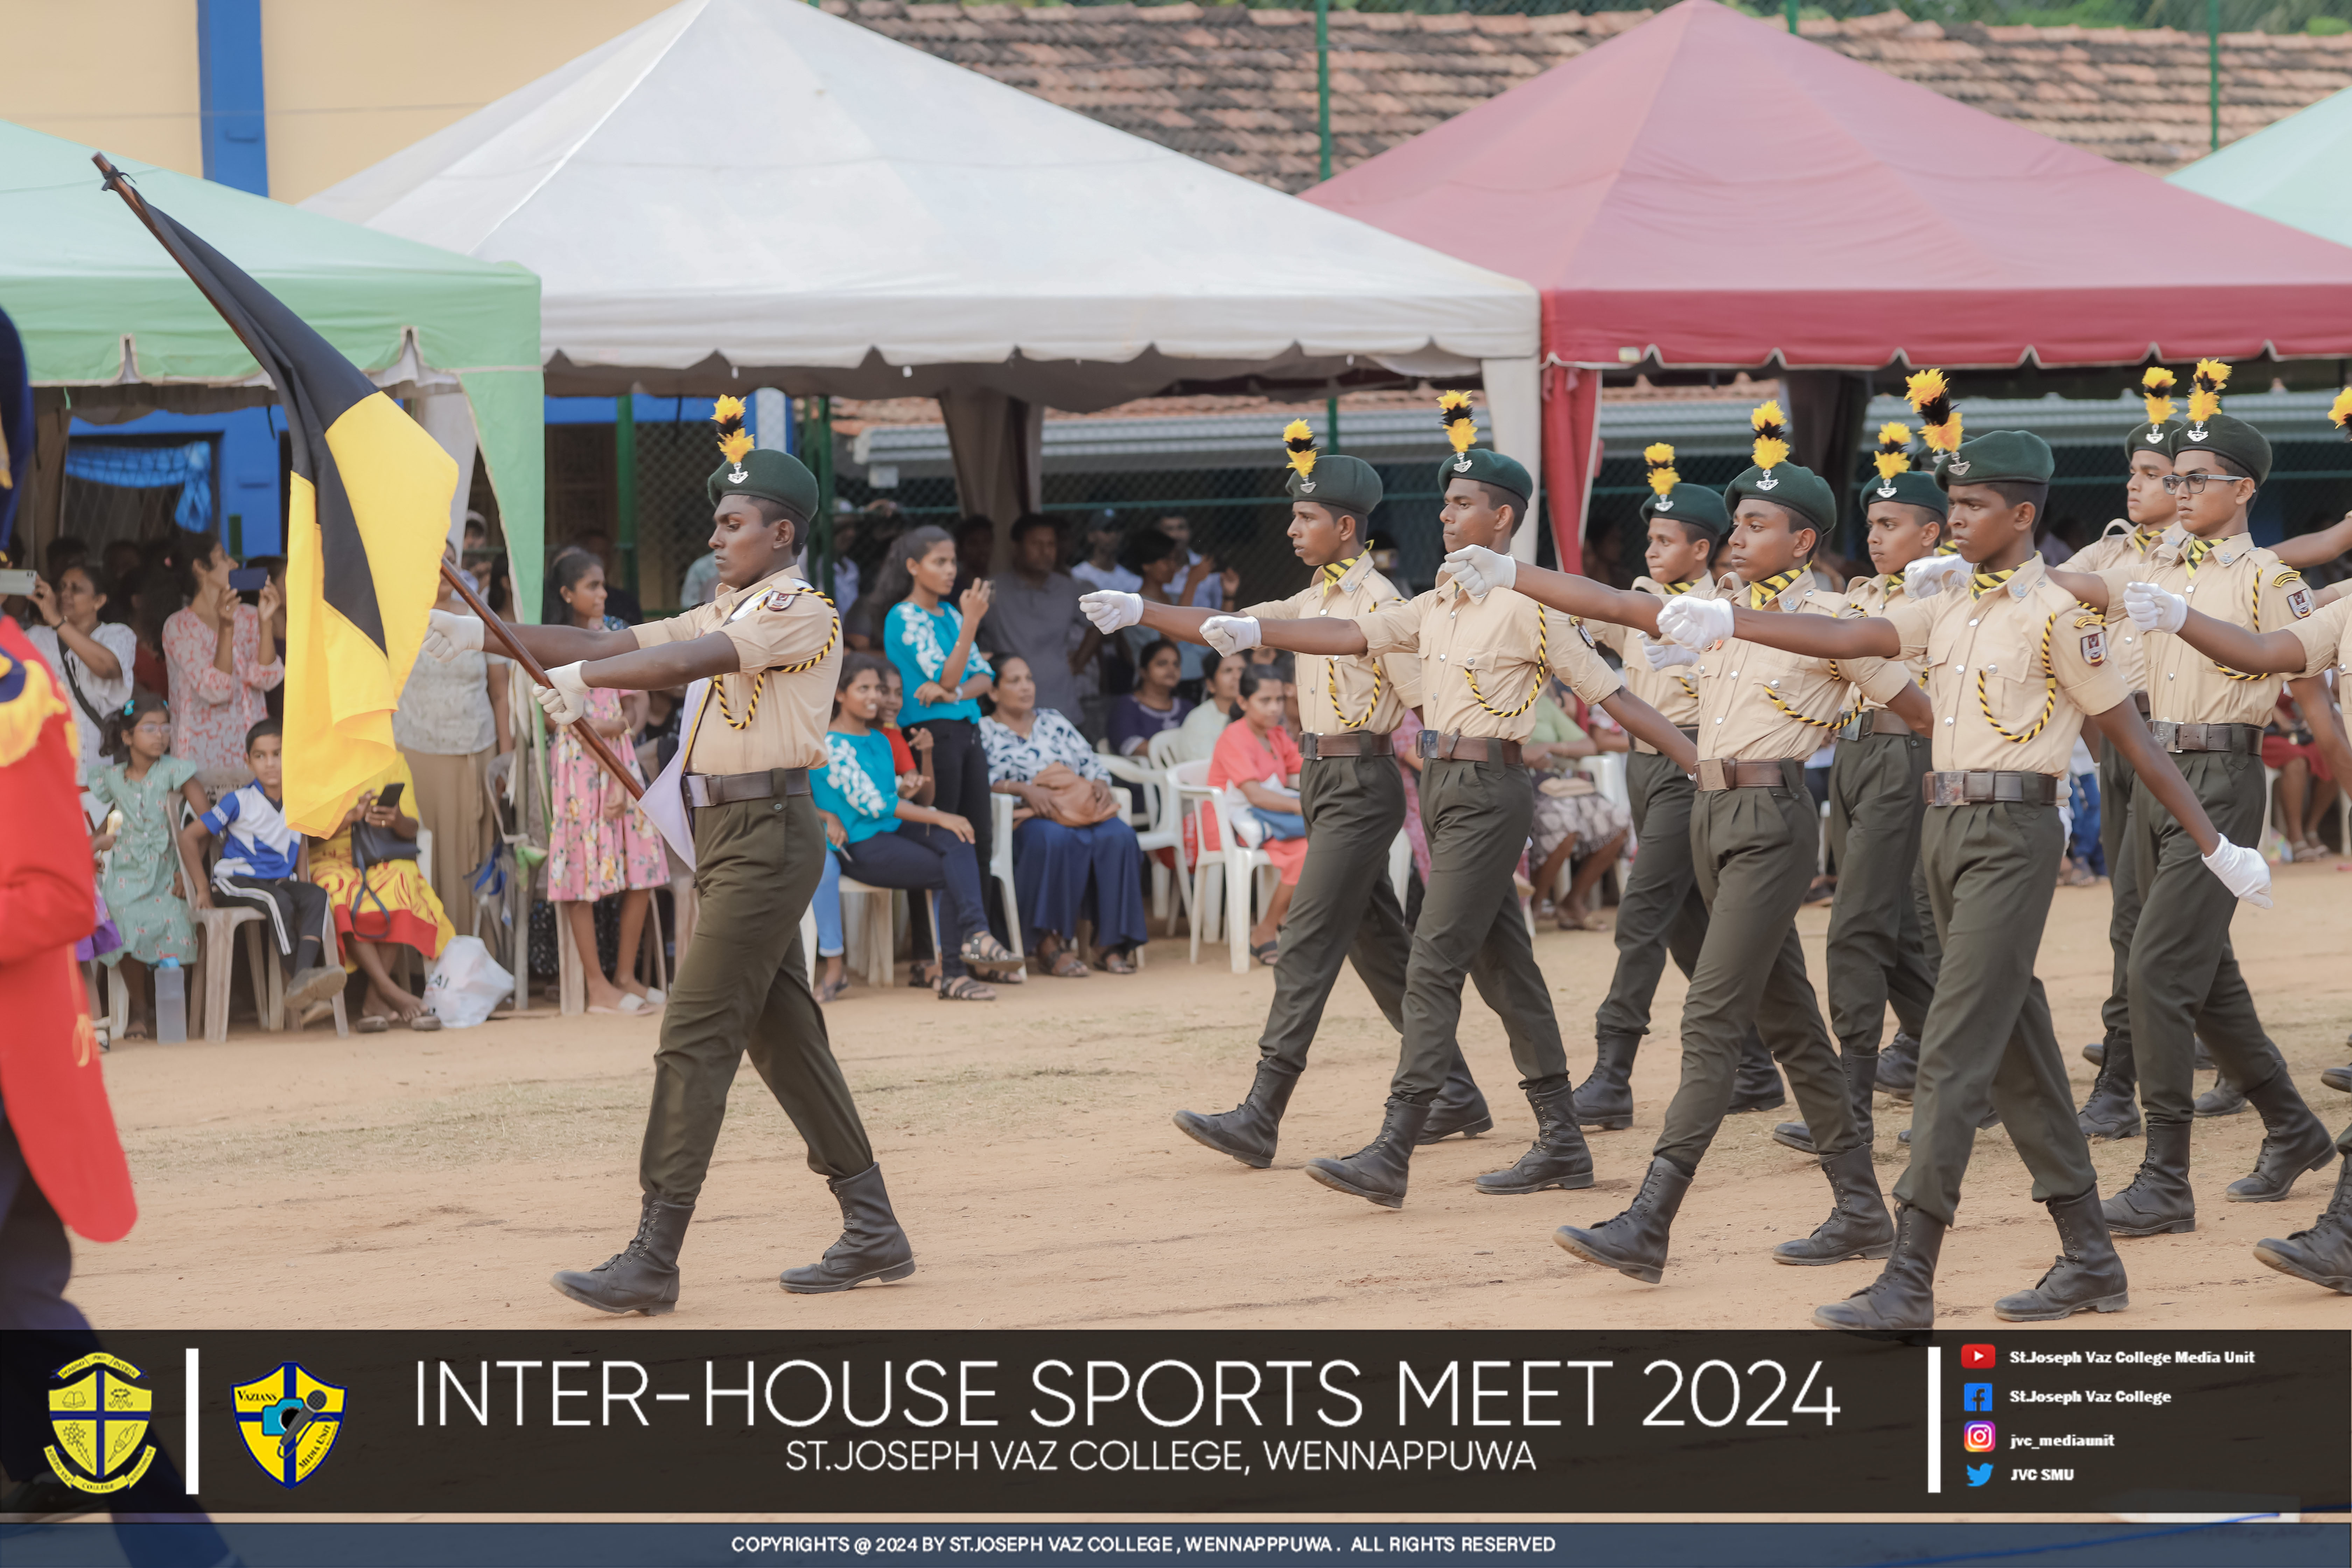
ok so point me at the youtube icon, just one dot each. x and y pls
(1973, 1357)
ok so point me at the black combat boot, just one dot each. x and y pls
(1376, 1171)
(1901, 1300)
(1898, 1067)
(2112, 1111)
(2337, 1078)
(2322, 1254)
(1634, 1242)
(1759, 1086)
(2225, 1098)
(1557, 1158)
(1861, 1078)
(2159, 1202)
(643, 1276)
(2294, 1141)
(1857, 1227)
(1246, 1132)
(2085, 1277)
(1605, 1101)
(1458, 1108)
(871, 1246)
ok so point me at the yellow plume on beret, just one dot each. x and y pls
(1662, 478)
(1930, 396)
(1299, 438)
(2156, 385)
(2211, 377)
(1460, 425)
(2339, 413)
(734, 441)
(1893, 456)
(1772, 426)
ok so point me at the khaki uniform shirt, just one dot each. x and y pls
(2121, 544)
(1870, 596)
(1760, 704)
(2238, 582)
(1672, 693)
(2322, 635)
(773, 712)
(2010, 672)
(1336, 695)
(1483, 661)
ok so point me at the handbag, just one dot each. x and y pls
(1071, 800)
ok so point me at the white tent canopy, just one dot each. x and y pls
(747, 192)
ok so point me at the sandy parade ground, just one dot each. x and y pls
(435, 1180)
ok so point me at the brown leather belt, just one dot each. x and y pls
(1990, 788)
(1463, 748)
(2140, 700)
(1690, 733)
(1343, 743)
(1874, 721)
(2172, 737)
(723, 789)
(1729, 773)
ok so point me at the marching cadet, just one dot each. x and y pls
(1754, 837)
(769, 646)
(1484, 658)
(2013, 664)
(1874, 955)
(2184, 978)
(1351, 793)
(1660, 914)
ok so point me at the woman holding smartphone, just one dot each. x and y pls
(219, 664)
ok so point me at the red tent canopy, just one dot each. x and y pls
(1706, 190)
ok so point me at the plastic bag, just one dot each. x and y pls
(466, 984)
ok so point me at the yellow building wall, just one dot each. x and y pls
(349, 83)
(116, 75)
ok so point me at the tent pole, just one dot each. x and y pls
(1788, 9)
(1323, 84)
(820, 441)
(624, 485)
(1331, 423)
(2214, 71)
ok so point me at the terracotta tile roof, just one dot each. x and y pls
(1236, 87)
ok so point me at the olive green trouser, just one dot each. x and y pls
(1475, 817)
(1343, 909)
(1875, 952)
(1661, 912)
(2185, 982)
(743, 986)
(1991, 871)
(1753, 851)
(2120, 842)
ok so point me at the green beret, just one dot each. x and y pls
(772, 475)
(1491, 469)
(1790, 485)
(2149, 436)
(2007, 456)
(2228, 436)
(1694, 504)
(1344, 484)
(1910, 487)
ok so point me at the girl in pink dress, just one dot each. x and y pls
(602, 842)
(1253, 750)
(221, 658)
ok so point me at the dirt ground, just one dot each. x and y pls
(435, 1181)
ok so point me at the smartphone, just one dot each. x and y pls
(390, 799)
(249, 579)
(18, 584)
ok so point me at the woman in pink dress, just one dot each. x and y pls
(602, 842)
(220, 660)
(1256, 758)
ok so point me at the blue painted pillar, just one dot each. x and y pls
(228, 63)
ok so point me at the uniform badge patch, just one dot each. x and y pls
(2298, 599)
(1586, 632)
(2094, 645)
(778, 600)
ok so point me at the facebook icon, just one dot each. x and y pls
(1976, 1397)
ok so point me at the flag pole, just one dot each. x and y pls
(120, 185)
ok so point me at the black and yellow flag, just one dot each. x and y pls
(367, 516)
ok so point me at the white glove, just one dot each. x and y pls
(2154, 610)
(1694, 622)
(1110, 610)
(446, 636)
(1230, 634)
(565, 696)
(1931, 574)
(2243, 871)
(1664, 655)
(1481, 571)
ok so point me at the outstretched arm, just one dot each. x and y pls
(1574, 595)
(2122, 726)
(664, 665)
(2091, 591)
(1322, 634)
(1179, 621)
(2318, 548)
(1819, 636)
(1640, 719)
(2256, 653)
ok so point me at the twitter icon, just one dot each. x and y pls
(1979, 1474)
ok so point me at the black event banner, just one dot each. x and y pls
(1385, 1423)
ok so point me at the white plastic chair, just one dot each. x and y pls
(1401, 866)
(1158, 824)
(870, 939)
(1000, 867)
(1239, 862)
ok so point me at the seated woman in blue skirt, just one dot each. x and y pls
(886, 842)
(1067, 833)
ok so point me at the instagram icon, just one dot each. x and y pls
(1977, 1436)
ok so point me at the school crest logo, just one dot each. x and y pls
(780, 600)
(1767, 482)
(1958, 468)
(2197, 432)
(2094, 645)
(1886, 491)
(99, 1412)
(1462, 464)
(738, 474)
(2298, 599)
(2156, 437)
(1665, 503)
(289, 1421)
(1306, 486)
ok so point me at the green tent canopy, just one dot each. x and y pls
(2294, 171)
(112, 328)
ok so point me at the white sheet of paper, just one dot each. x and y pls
(665, 801)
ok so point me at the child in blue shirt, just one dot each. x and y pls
(258, 867)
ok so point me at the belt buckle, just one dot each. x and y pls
(1711, 774)
(1951, 789)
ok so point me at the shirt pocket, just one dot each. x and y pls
(2017, 696)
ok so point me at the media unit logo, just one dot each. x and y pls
(101, 1421)
(289, 1421)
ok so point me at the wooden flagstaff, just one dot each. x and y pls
(120, 184)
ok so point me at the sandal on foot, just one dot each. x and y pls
(372, 1024)
(923, 976)
(981, 947)
(1116, 963)
(1067, 965)
(965, 988)
(830, 990)
(1265, 952)
(424, 1023)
